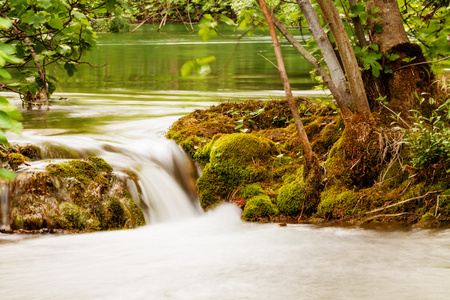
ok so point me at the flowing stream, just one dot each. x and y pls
(120, 112)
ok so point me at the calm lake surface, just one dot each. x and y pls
(183, 253)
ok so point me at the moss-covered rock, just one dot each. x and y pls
(235, 160)
(75, 195)
(338, 202)
(293, 199)
(251, 190)
(363, 174)
(259, 208)
(15, 160)
(31, 151)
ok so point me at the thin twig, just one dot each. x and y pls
(401, 202)
(397, 115)
(143, 22)
(268, 60)
(422, 63)
(385, 216)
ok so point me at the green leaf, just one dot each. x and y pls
(7, 174)
(5, 23)
(187, 68)
(7, 123)
(378, 28)
(56, 23)
(70, 68)
(10, 109)
(357, 10)
(207, 60)
(37, 20)
(226, 20)
(5, 74)
(45, 3)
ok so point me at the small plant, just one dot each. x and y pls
(429, 138)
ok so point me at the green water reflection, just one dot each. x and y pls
(147, 61)
(142, 78)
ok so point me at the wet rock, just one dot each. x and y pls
(74, 195)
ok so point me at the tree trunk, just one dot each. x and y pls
(393, 33)
(406, 80)
(347, 55)
(328, 54)
(359, 31)
(343, 105)
(309, 155)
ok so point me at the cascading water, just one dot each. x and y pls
(165, 188)
(4, 204)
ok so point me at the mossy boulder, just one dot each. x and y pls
(293, 199)
(363, 172)
(75, 195)
(259, 208)
(235, 160)
(251, 190)
(338, 202)
(15, 160)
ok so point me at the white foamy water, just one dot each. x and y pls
(217, 256)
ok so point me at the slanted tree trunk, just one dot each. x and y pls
(341, 101)
(329, 56)
(307, 150)
(347, 55)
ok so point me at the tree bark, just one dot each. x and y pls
(393, 33)
(329, 56)
(343, 105)
(309, 155)
(347, 55)
(359, 31)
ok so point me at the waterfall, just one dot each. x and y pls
(4, 204)
(165, 185)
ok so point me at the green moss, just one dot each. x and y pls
(338, 202)
(17, 223)
(84, 170)
(240, 149)
(443, 211)
(202, 155)
(354, 160)
(100, 164)
(74, 217)
(394, 175)
(136, 215)
(259, 208)
(328, 136)
(292, 199)
(115, 214)
(235, 159)
(251, 190)
(31, 151)
(15, 160)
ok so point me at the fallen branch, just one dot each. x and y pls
(401, 202)
(386, 216)
(143, 22)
